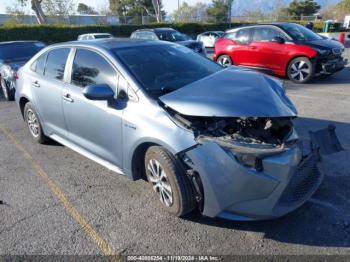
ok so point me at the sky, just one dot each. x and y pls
(169, 5)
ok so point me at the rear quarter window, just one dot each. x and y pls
(39, 65)
(56, 63)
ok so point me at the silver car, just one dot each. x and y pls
(218, 140)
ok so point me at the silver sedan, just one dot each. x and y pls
(217, 140)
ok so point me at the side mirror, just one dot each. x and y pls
(98, 92)
(278, 39)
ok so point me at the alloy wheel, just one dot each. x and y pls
(224, 61)
(33, 123)
(161, 185)
(300, 70)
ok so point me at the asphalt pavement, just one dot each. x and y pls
(55, 201)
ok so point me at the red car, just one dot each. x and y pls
(282, 49)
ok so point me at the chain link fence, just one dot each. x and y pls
(144, 20)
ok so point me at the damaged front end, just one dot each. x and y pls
(247, 163)
(248, 168)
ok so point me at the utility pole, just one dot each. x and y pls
(178, 5)
(229, 11)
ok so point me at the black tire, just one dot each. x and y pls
(183, 198)
(300, 70)
(224, 60)
(29, 113)
(9, 94)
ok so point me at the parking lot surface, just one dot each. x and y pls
(54, 201)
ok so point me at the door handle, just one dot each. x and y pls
(68, 98)
(253, 47)
(36, 84)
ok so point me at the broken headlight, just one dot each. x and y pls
(250, 161)
(247, 160)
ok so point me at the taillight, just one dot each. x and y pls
(16, 76)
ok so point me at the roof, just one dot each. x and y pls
(113, 43)
(278, 24)
(16, 42)
(156, 29)
(96, 34)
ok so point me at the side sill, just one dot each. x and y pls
(87, 154)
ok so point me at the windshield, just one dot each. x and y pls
(161, 69)
(301, 33)
(171, 36)
(18, 51)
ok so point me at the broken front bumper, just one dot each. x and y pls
(332, 66)
(236, 192)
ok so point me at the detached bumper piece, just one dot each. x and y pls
(326, 140)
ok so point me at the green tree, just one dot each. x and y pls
(42, 8)
(297, 8)
(58, 7)
(189, 13)
(218, 11)
(338, 11)
(125, 8)
(84, 9)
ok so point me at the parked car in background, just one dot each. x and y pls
(93, 36)
(169, 35)
(219, 140)
(283, 49)
(12, 56)
(209, 38)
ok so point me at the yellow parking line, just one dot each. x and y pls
(91, 232)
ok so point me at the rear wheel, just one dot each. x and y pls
(33, 124)
(225, 61)
(9, 94)
(300, 70)
(169, 181)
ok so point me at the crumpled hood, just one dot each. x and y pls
(232, 92)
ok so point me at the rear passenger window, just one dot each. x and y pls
(39, 65)
(56, 63)
(243, 36)
(265, 34)
(91, 68)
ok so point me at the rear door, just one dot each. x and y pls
(239, 49)
(48, 86)
(266, 52)
(93, 125)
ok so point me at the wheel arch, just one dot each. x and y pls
(294, 57)
(22, 103)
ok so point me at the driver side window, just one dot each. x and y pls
(91, 68)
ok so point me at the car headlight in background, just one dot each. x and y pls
(7, 72)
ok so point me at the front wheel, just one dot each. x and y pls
(224, 60)
(169, 181)
(300, 70)
(9, 94)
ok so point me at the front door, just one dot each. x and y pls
(93, 125)
(267, 53)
